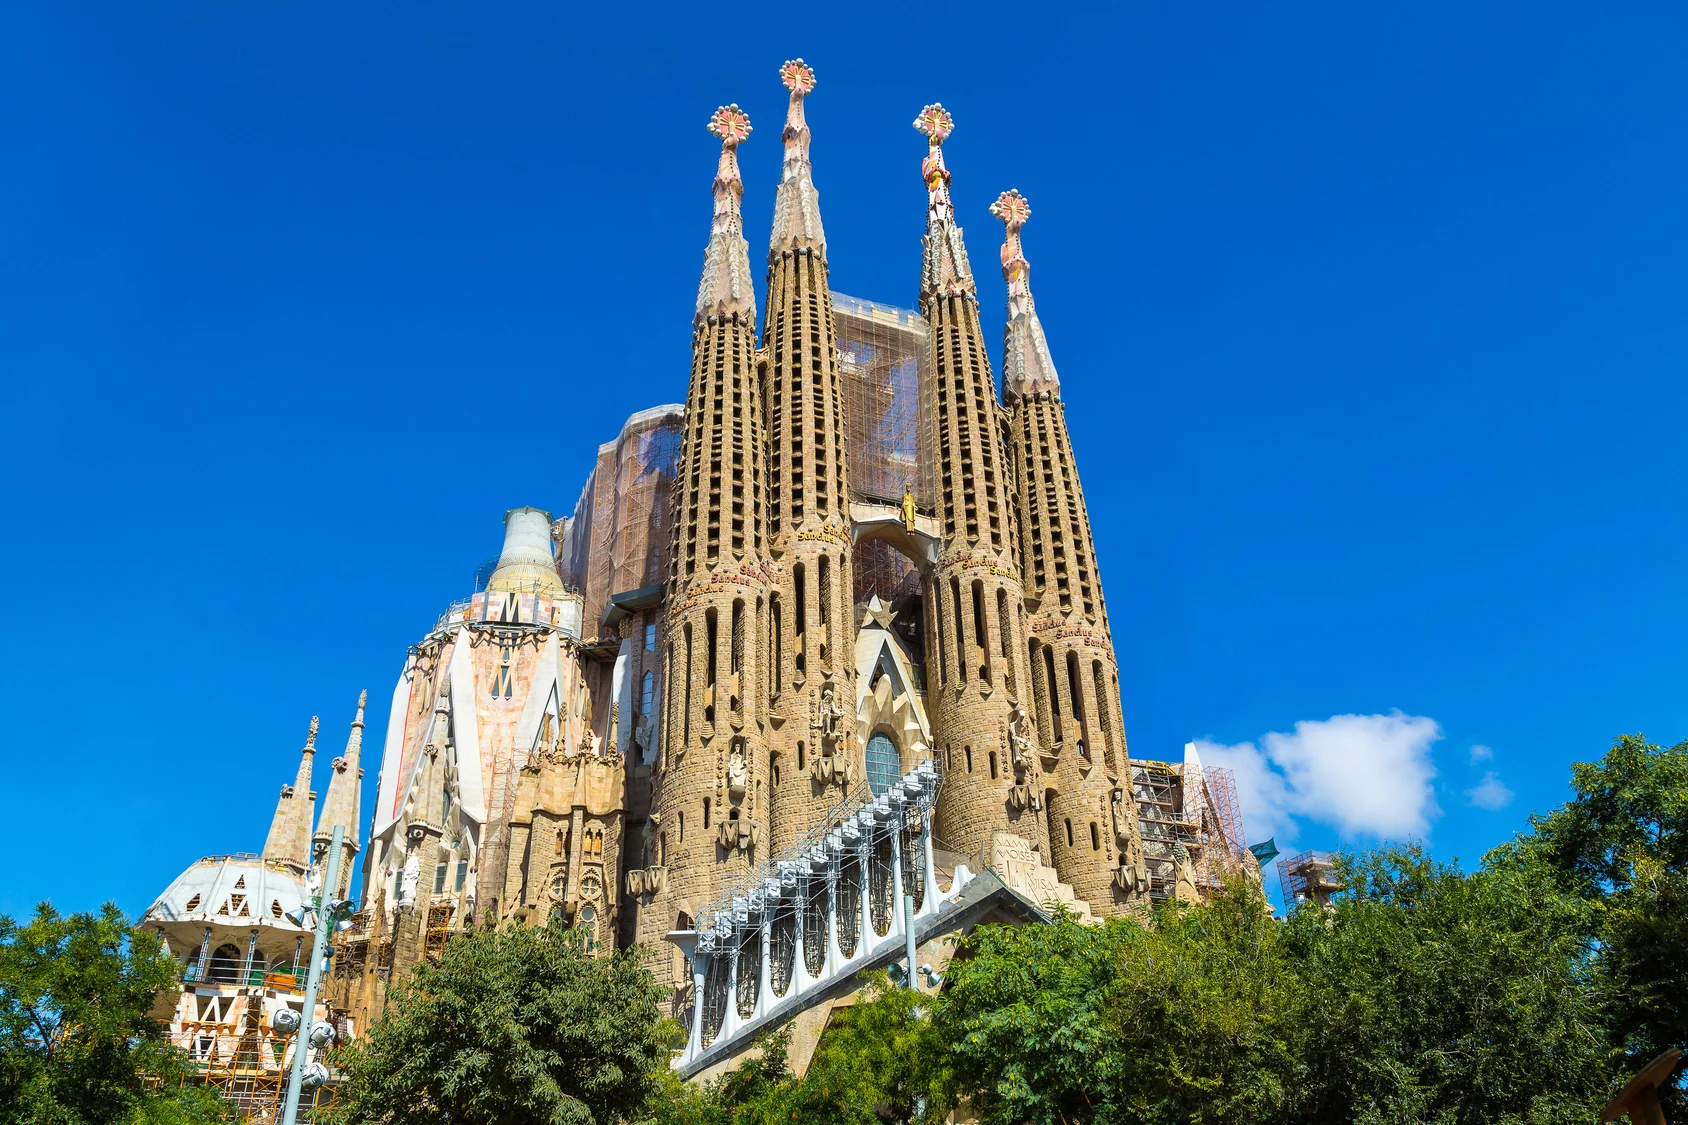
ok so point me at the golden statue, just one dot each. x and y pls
(908, 508)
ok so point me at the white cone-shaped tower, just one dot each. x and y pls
(525, 565)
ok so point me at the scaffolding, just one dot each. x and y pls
(243, 1060)
(883, 365)
(1168, 836)
(619, 536)
(1210, 802)
(1308, 877)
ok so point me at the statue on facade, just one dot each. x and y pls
(1120, 813)
(908, 508)
(738, 775)
(408, 878)
(642, 738)
(1020, 738)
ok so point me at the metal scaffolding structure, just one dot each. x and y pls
(883, 364)
(1309, 876)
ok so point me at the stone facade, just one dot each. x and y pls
(643, 704)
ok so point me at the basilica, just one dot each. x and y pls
(817, 672)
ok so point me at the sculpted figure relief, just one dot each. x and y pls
(738, 775)
(407, 880)
(1020, 738)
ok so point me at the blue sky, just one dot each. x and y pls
(1369, 324)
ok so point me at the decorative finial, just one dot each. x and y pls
(1027, 369)
(798, 77)
(797, 208)
(731, 124)
(935, 121)
(944, 268)
(363, 699)
(310, 735)
(725, 287)
(1011, 207)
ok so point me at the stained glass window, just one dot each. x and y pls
(883, 767)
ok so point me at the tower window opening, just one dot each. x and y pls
(1095, 838)
(439, 879)
(650, 636)
(706, 814)
(801, 618)
(711, 631)
(960, 631)
(799, 757)
(1075, 689)
(1053, 692)
(967, 753)
(647, 693)
(777, 643)
(993, 764)
(980, 638)
(1069, 824)
(559, 847)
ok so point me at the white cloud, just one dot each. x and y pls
(1365, 775)
(1490, 793)
(1481, 753)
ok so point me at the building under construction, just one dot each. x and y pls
(1191, 825)
(1308, 877)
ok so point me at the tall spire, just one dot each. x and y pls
(726, 285)
(289, 840)
(340, 807)
(944, 267)
(1026, 366)
(797, 208)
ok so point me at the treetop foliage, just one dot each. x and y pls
(78, 1045)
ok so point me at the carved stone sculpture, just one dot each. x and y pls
(407, 879)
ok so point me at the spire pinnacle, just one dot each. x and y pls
(340, 807)
(945, 268)
(289, 840)
(726, 285)
(1026, 366)
(797, 211)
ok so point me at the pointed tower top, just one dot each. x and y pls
(945, 267)
(1026, 366)
(340, 807)
(726, 286)
(289, 840)
(797, 209)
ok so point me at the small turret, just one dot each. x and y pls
(340, 807)
(289, 840)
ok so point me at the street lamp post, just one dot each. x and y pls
(325, 911)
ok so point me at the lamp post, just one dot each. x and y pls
(325, 912)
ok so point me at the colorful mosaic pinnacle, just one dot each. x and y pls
(797, 77)
(1011, 207)
(731, 124)
(935, 121)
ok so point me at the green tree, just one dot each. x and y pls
(515, 1024)
(77, 1041)
(1621, 845)
(1431, 995)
